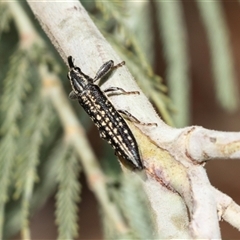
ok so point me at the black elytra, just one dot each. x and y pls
(111, 125)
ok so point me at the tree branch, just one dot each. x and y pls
(176, 183)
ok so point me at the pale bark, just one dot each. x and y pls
(183, 201)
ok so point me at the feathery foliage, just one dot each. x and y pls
(33, 161)
(68, 195)
(11, 107)
(109, 233)
(5, 18)
(128, 194)
(26, 174)
(172, 26)
(140, 221)
(129, 48)
(222, 61)
(23, 120)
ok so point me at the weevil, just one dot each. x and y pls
(109, 121)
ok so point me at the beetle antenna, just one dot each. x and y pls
(70, 62)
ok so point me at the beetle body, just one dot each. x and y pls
(111, 125)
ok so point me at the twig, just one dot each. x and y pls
(172, 157)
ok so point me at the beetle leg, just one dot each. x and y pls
(134, 119)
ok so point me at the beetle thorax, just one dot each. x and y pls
(78, 81)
